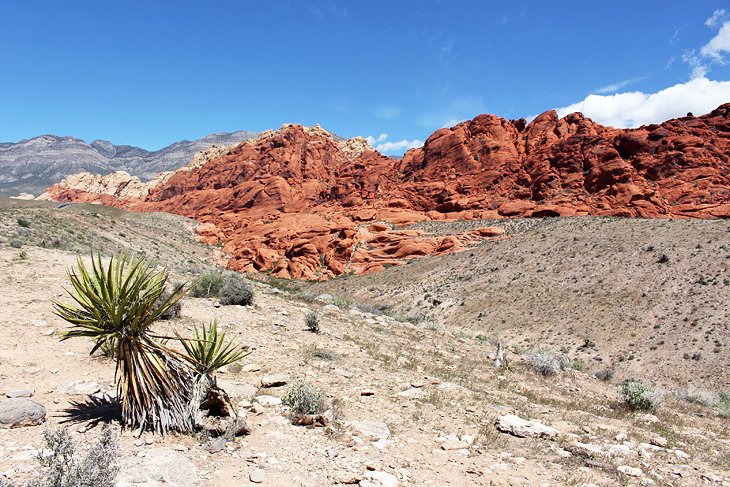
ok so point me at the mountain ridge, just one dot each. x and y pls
(31, 165)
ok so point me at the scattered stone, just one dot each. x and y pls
(367, 392)
(412, 393)
(257, 476)
(377, 478)
(274, 380)
(648, 419)
(522, 428)
(630, 471)
(19, 393)
(82, 388)
(21, 411)
(659, 441)
(586, 450)
(371, 429)
(238, 390)
(251, 368)
(454, 445)
(268, 401)
(681, 455)
(159, 465)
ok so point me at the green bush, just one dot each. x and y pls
(16, 243)
(639, 396)
(23, 222)
(312, 322)
(305, 398)
(206, 285)
(235, 290)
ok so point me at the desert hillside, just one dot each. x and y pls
(403, 358)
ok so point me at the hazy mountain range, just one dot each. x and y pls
(34, 164)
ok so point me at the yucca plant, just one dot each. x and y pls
(208, 351)
(118, 304)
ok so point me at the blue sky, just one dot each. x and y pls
(151, 73)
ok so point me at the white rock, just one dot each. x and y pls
(377, 478)
(509, 423)
(163, 465)
(268, 401)
(412, 393)
(630, 471)
(257, 476)
(82, 388)
(274, 380)
(371, 429)
(239, 390)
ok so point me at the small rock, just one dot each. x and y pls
(268, 401)
(514, 425)
(377, 478)
(21, 411)
(251, 368)
(371, 429)
(81, 388)
(681, 455)
(659, 441)
(257, 476)
(412, 393)
(630, 471)
(238, 390)
(19, 393)
(367, 392)
(454, 445)
(274, 380)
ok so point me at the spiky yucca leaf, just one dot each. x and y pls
(118, 304)
(208, 351)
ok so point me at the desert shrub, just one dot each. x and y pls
(578, 365)
(697, 397)
(206, 285)
(305, 398)
(63, 467)
(16, 243)
(546, 362)
(639, 396)
(723, 407)
(605, 375)
(312, 322)
(235, 290)
(23, 222)
(171, 312)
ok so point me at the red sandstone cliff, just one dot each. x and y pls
(300, 204)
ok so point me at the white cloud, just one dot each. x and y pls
(718, 45)
(372, 140)
(381, 144)
(452, 122)
(716, 18)
(616, 86)
(712, 52)
(632, 109)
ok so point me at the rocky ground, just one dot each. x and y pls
(413, 403)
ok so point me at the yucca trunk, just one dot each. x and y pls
(155, 388)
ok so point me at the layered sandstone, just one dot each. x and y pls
(301, 203)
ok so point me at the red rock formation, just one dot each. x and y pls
(299, 204)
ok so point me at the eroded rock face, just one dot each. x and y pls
(302, 203)
(574, 166)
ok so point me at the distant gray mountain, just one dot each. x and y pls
(34, 164)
